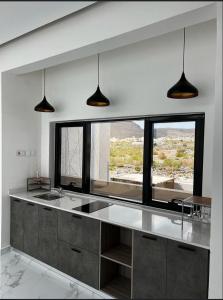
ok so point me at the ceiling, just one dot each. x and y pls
(18, 18)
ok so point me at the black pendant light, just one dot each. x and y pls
(98, 99)
(44, 105)
(183, 89)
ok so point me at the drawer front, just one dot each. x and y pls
(16, 228)
(187, 271)
(31, 229)
(48, 223)
(79, 263)
(149, 266)
(79, 231)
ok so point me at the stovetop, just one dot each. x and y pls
(93, 206)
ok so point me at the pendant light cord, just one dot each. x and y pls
(98, 69)
(183, 49)
(44, 74)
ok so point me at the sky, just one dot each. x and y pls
(181, 125)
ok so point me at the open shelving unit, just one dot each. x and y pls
(116, 260)
(120, 254)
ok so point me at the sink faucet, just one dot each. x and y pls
(59, 189)
(180, 201)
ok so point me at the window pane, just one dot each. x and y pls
(117, 159)
(173, 160)
(71, 156)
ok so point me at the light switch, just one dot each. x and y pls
(28, 153)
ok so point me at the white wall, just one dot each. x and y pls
(136, 79)
(20, 131)
(216, 221)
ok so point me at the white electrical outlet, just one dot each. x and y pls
(20, 153)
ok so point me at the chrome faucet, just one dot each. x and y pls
(59, 190)
(180, 201)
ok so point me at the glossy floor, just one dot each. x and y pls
(25, 278)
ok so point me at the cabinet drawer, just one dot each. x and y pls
(187, 269)
(79, 231)
(149, 266)
(78, 263)
(48, 235)
(16, 228)
(31, 229)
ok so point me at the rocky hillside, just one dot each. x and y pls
(128, 129)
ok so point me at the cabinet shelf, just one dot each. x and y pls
(119, 287)
(120, 254)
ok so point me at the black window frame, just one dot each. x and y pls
(199, 120)
(149, 121)
(85, 156)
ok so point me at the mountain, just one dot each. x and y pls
(128, 129)
(173, 132)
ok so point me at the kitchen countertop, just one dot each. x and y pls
(149, 220)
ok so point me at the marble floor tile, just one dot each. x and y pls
(24, 278)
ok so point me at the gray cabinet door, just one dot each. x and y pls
(48, 235)
(79, 231)
(149, 266)
(16, 228)
(79, 263)
(31, 229)
(187, 271)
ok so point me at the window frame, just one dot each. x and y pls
(199, 120)
(149, 121)
(85, 188)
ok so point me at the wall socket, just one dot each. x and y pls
(20, 153)
(26, 153)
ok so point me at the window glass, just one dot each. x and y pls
(173, 160)
(106, 158)
(117, 159)
(71, 156)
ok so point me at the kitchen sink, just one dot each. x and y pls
(48, 196)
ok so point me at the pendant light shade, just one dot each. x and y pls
(44, 105)
(183, 89)
(98, 99)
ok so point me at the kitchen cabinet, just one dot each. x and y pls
(16, 226)
(31, 229)
(187, 271)
(47, 235)
(130, 263)
(164, 268)
(79, 231)
(79, 263)
(149, 266)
